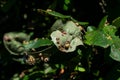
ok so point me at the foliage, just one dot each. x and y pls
(63, 48)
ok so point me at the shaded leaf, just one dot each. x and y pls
(67, 1)
(26, 77)
(116, 22)
(65, 7)
(118, 78)
(79, 22)
(102, 22)
(38, 43)
(115, 49)
(66, 4)
(79, 52)
(58, 25)
(78, 68)
(56, 14)
(49, 70)
(13, 42)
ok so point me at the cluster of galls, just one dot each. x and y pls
(32, 60)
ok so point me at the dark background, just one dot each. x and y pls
(12, 19)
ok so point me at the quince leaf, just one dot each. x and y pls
(72, 29)
(98, 38)
(115, 49)
(64, 41)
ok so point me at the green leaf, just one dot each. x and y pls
(67, 1)
(102, 22)
(115, 49)
(81, 69)
(56, 14)
(38, 43)
(61, 39)
(79, 22)
(13, 42)
(58, 25)
(70, 35)
(118, 78)
(83, 23)
(49, 70)
(101, 37)
(90, 28)
(96, 73)
(97, 38)
(79, 52)
(110, 30)
(26, 77)
(65, 7)
(116, 22)
(71, 28)
(66, 4)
